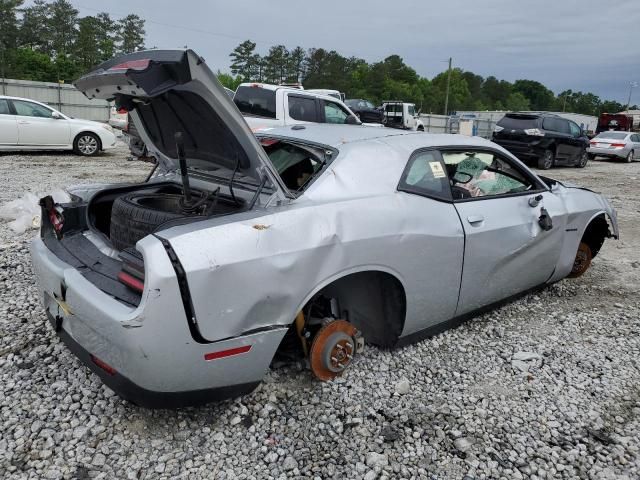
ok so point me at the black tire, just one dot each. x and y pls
(629, 158)
(87, 144)
(583, 159)
(592, 156)
(547, 160)
(136, 215)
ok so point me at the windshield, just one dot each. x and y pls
(613, 135)
(256, 101)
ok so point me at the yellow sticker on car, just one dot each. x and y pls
(437, 170)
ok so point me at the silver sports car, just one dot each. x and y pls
(312, 239)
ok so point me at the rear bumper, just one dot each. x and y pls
(153, 359)
(134, 393)
(608, 152)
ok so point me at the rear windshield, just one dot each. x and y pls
(613, 135)
(256, 101)
(518, 123)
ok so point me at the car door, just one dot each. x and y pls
(576, 141)
(302, 109)
(433, 241)
(559, 132)
(333, 113)
(500, 204)
(36, 127)
(8, 125)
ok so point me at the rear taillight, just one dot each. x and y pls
(593, 142)
(56, 219)
(132, 270)
(104, 365)
(618, 145)
(132, 65)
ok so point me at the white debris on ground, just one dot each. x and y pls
(546, 387)
(24, 213)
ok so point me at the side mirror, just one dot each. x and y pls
(56, 116)
(352, 120)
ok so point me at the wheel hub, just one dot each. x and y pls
(333, 349)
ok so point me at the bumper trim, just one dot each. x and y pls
(142, 397)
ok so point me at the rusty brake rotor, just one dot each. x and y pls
(333, 349)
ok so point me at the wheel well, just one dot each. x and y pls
(92, 133)
(421, 128)
(595, 233)
(374, 302)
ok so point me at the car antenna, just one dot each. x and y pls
(186, 190)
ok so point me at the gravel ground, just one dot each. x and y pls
(545, 387)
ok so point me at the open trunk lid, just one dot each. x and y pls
(167, 91)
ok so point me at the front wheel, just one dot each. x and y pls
(592, 156)
(582, 161)
(546, 161)
(86, 144)
(582, 261)
(630, 157)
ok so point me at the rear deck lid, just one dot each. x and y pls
(167, 91)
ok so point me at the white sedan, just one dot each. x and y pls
(29, 125)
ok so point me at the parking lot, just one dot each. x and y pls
(454, 406)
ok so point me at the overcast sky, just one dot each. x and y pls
(584, 45)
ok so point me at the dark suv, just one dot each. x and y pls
(542, 139)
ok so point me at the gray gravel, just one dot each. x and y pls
(546, 387)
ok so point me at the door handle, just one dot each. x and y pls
(475, 219)
(23, 122)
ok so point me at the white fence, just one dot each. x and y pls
(63, 97)
(453, 124)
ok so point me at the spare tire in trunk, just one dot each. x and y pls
(136, 215)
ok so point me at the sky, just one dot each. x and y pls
(582, 45)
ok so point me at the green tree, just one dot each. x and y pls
(276, 64)
(8, 34)
(539, 96)
(63, 26)
(244, 60)
(229, 81)
(296, 65)
(131, 34)
(35, 27)
(517, 102)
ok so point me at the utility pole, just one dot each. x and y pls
(4, 88)
(446, 97)
(631, 85)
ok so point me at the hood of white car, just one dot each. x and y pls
(170, 91)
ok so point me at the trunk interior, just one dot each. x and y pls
(82, 233)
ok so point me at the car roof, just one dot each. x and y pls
(337, 136)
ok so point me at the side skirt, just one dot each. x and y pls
(459, 320)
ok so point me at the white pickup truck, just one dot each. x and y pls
(264, 106)
(401, 115)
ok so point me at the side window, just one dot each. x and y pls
(4, 107)
(29, 109)
(303, 108)
(575, 129)
(333, 113)
(411, 110)
(483, 174)
(563, 125)
(425, 175)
